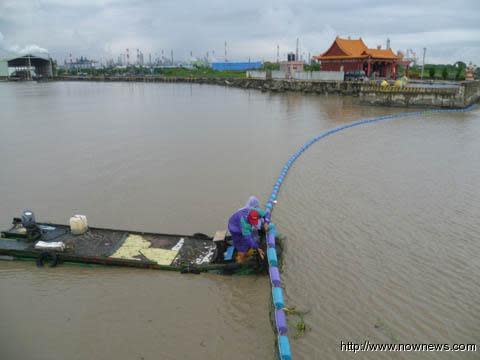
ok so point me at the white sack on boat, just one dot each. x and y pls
(54, 245)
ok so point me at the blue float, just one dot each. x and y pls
(271, 239)
(277, 294)
(284, 348)
(281, 321)
(275, 276)
(272, 257)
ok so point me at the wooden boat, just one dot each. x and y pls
(185, 253)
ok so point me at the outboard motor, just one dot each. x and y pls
(28, 222)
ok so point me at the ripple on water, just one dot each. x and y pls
(382, 238)
(381, 221)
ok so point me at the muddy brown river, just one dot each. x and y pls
(382, 221)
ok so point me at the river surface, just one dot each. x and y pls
(382, 221)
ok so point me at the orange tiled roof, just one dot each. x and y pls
(355, 49)
(351, 47)
(333, 57)
(381, 53)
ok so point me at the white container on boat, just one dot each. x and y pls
(78, 224)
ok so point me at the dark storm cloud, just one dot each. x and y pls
(104, 28)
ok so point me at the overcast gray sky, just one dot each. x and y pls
(104, 28)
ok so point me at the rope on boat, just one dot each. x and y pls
(277, 291)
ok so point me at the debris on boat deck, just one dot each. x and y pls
(81, 244)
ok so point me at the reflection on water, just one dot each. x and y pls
(382, 221)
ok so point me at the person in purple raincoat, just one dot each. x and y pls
(244, 225)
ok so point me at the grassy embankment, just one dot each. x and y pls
(196, 72)
(170, 72)
(431, 72)
(438, 71)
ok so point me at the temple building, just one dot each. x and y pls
(353, 55)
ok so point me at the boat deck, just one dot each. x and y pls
(123, 248)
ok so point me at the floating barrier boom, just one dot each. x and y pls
(277, 292)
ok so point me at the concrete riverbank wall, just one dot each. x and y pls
(471, 91)
(458, 96)
(319, 87)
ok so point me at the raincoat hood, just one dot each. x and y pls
(252, 203)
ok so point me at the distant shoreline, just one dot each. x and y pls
(458, 95)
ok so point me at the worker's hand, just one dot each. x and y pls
(261, 253)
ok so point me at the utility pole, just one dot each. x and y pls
(296, 52)
(171, 54)
(226, 51)
(423, 62)
(29, 66)
(51, 65)
(278, 53)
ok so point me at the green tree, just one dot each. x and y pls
(431, 72)
(460, 65)
(270, 66)
(314, 66)
(460, 74)
(444, 73)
